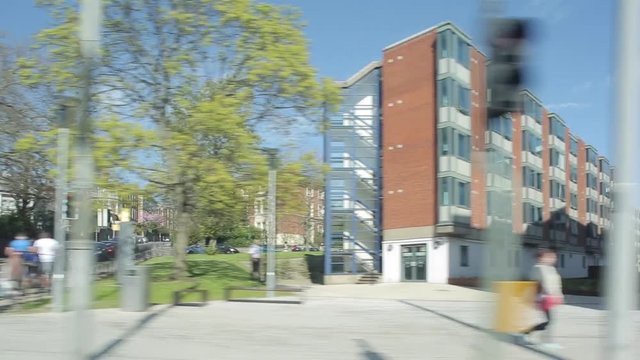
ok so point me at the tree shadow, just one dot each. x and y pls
(367, 351)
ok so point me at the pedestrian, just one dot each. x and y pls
(549, 294)
(16, 250)
(255, 251)
(46, 247)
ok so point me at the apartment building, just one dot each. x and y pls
(437, 167)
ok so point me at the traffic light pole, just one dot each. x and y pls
(621, 272)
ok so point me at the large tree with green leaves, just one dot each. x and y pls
(183, 86)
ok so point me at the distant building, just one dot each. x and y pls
(304, 226)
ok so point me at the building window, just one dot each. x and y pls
(557, 190)
(532, 109)
(605, 168)
(592, 157)
(454, 192)
(453, 139)
(573, 174)
(464, 256)
(557, 128)
(573, 227)
(452, 94)
(562, 260)
(531, 143)
(498, 204)
(592, 181)
(502, 125)
(531, 214)
(531, 178)
(573, 146)
(557, 159)
(584, 261)
(574, 201)
(592, 206)
(452, 46)
(499, 163)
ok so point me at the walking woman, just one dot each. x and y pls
(549, 293)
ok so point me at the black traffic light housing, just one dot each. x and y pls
(506, 71)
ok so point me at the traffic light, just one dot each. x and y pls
(505, 72)
(69, 207)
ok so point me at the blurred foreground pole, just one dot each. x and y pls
(271, 230)
(622, 275)
(81, 247)
(60, 232)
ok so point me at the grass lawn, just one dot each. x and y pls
(210, 272)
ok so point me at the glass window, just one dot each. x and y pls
(531, 178)
(445, 192)
(463, 194)
(531, 214)
(454, 192)
(592, 181)
(464, 148)
(604, 167)
(573, 227)
(573, 176)
(592, 206)
(573, 147)
(496, 202)
(592, 157)
(499, 163)
(531, 143)
(451, 93)
(462, 54)
(557, 128)
(557, 158)
(444, 39)
(444, 92)
(464, 100)
(502, 125)
(532, 109)
(464, 255)
(445, 141)
(574, 201)
(557, 190)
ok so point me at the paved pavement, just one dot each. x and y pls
(370, 322)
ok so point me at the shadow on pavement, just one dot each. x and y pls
(507, 338)
(128, 334)
(367, 351)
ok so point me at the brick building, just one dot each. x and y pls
(419, 114)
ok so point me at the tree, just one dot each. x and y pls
(24, 170)
(186, 84)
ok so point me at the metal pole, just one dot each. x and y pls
(60, 232)
(271, 236)
(81, 247)
(622, 277)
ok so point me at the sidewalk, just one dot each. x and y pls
(379, 322)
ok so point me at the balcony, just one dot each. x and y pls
(558, 173)
(529, 158)
(454, 164)
(454, 214)
(557, 143)
(573, 213)
(592, 193)
(557, 204)
(573, 159)
(499, 141)
(573, 186)
(532, 194)
(532, 230)
(592, 168)
(592, 218)
(530, 123)
(451, 66)
(498, 181)
(452, 115)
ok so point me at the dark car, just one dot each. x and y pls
(226, 249)
(104, 252)
(196, 249)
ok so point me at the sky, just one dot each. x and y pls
(571, 58)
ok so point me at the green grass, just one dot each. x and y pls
(211, 272)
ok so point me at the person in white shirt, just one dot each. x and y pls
(255, 251)
(549, 293)
(46, 247)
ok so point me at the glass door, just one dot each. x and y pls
(414, 262)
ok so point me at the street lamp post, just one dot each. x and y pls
(271, 228)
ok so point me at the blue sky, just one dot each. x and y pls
(570, 59)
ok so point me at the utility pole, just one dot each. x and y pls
(622, 274)
(81, 247)
(60, 231)
(271, 229)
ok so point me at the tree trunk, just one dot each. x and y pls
(181, 243)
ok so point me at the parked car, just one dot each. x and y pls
(226, 249)
(196, 249)
(304, 248)
(104, 252)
